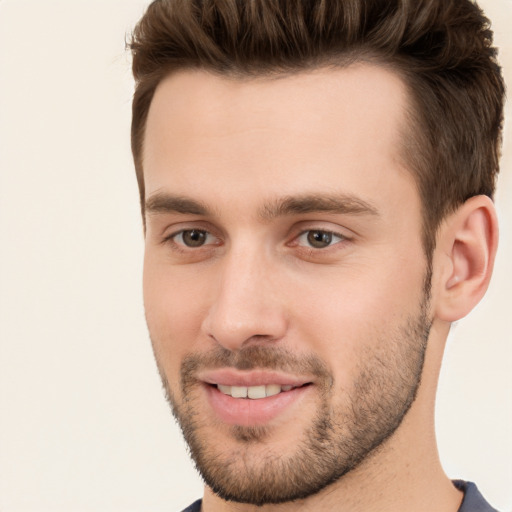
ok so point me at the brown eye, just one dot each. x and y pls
(193, 237)
(319, 239)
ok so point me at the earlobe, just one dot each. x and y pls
(468, 240)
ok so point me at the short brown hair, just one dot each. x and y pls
(441, 48)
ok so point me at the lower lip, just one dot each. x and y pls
(247, 412)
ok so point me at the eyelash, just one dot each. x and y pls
(330, 234)
(183, 247)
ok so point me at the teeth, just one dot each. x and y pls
(253, 392)
(224, 389)
(239, 391)
(256, 392)
(273, 389)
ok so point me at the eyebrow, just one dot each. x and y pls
(345, 204)
(168, 203)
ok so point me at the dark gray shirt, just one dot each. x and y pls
(473, 501)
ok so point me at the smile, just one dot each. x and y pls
(253, 392)
(254, 397)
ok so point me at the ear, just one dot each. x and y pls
(466, 245)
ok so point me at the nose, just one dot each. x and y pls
(245, 307)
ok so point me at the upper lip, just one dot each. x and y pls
(232, 377)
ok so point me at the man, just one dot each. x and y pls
(316, 183)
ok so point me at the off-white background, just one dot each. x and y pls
(83, 424)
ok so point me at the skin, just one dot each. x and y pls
(239, 148)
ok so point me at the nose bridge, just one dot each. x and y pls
(245, 306)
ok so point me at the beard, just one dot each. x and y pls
(349, 425)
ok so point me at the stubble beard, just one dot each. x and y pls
(341, 435)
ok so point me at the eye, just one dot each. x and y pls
(193, 238)
(319, 239)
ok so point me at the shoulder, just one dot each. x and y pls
(473, 501)
(195, 507)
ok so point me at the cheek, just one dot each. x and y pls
(348, 313)
(173, 311)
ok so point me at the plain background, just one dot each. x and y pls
(83, 422)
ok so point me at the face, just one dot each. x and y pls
(284, 278)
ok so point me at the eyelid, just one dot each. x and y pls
(172, 237)
(324, 226)
(334, 234)
(173, 230)
(302, 228)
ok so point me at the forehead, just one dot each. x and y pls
(339, 128)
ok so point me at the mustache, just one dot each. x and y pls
(252, 358)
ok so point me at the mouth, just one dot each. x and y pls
(256, 392)
(253, 398)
